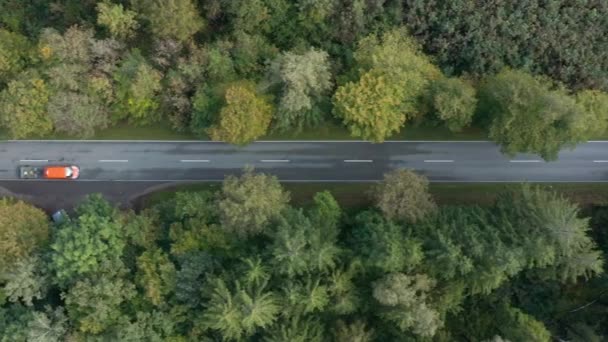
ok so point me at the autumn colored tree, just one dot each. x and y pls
(394, 75)
(370, 108)
(23, 107)
(245, 117)
(24, 229)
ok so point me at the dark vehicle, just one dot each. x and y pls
(30, 172)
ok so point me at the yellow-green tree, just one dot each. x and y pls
(23, 107)
(245, 117)
(371, 107)
(23, 229)
(394, 75)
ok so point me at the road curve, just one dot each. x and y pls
(314, 161)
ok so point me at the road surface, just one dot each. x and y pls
(352, 161)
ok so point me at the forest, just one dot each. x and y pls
(241, 263)
(531, 75)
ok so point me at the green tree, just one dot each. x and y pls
(78, 115)
(120, 22)
(382, 244)
(137, 85)
(250, 202)
(304, 79)
(297, 329)
(49, 325)
(173, 19)
(95, 305)
(371, 107)
(404, 302)
(356, 331)
(394, 75)
(556, 237)
(527, 116)
(78, 101)
(89, 244)
(24, 230)
(14, 54)
(26, 280)
(249, 15)
(152, 326)
(245, 117)
(23, 106)
(453, 102)
(403, 195)
(240, 312)
(300, 247)
(595, 112)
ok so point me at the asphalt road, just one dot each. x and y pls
(477, 161)
(125, 171)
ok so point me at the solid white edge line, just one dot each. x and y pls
(275, 160)
(438, 161)
(358, 161)
(194, 161)
(113, 161)
(33, 160)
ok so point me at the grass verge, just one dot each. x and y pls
(356, 195)
(328, 131)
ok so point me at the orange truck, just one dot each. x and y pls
(49, 172)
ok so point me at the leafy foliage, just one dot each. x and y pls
(239, 263)
(173, 19)
(250, 202)
(244, 118)
(404, 301)
(562, 39)
(24, 230)
(89, 244)
(304, 79)
(137, 84)
(454, 102)
(528, 117)
(23, 107)
(119, 21)
(403, 195)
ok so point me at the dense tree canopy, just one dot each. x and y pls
(528, 116)
(371, 66)
(239, 262)
(562, 39)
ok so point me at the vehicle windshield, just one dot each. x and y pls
(68, 172)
